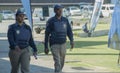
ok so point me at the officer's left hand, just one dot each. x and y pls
(35, 55)
(72, 45)
(46, 50)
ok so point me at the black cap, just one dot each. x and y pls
(57, 6)
(20, 11)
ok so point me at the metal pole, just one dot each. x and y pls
(31, 15)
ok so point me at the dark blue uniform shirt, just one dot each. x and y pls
(20, 36)
(57, 30)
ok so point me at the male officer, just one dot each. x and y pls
(57, 29)
(20, 38)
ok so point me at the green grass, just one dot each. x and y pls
(91, 52)
(102, 27)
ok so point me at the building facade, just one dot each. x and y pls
(14, 4)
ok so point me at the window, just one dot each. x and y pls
(68, 9)
(7, 12)
(74, 8)
(107, 8)
(103, 8)
(111, 8)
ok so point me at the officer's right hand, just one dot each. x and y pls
(72, 45)
(17, 49)
(35, 55)
(46, 50)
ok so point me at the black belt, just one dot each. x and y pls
(24, 47)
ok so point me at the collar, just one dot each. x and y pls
(19, 25)
(57, 18)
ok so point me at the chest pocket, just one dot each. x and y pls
(60, 26)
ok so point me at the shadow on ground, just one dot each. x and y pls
(81, 68)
